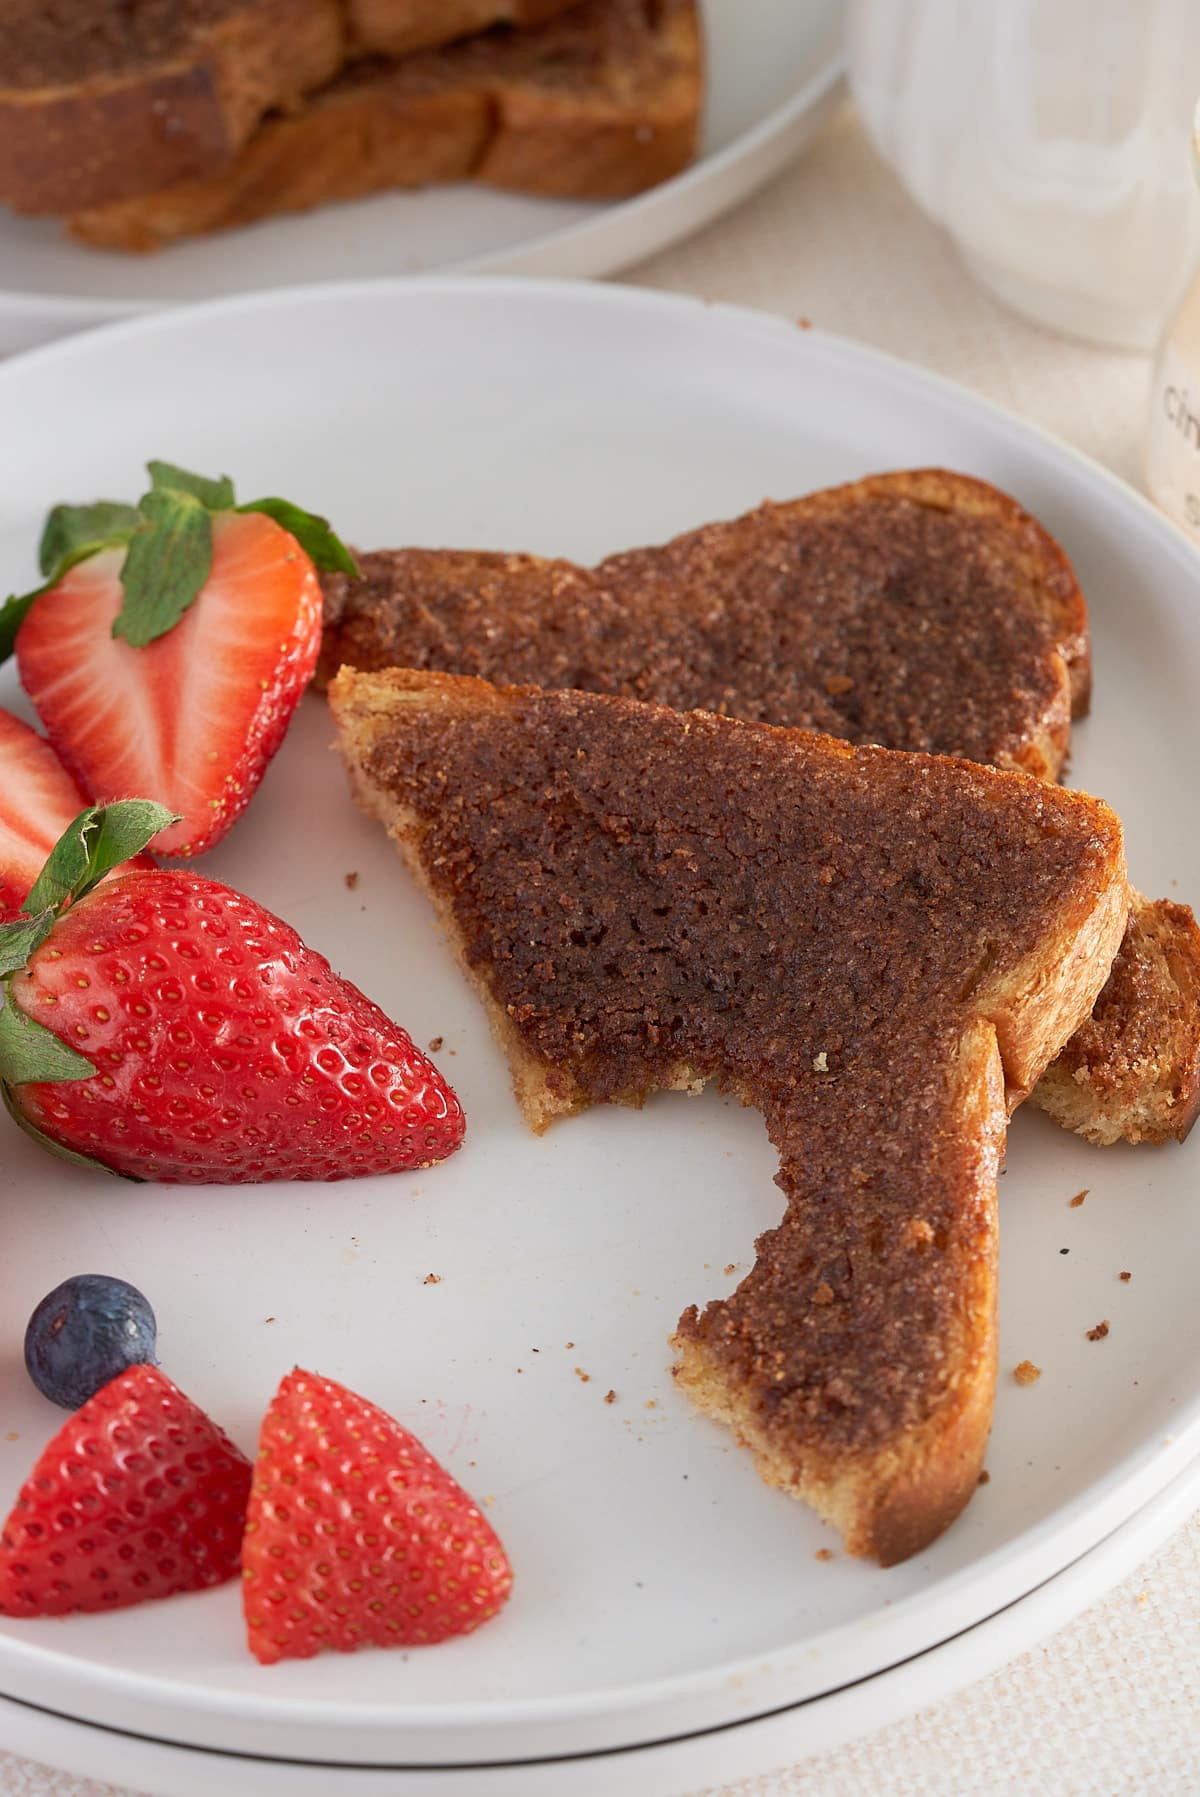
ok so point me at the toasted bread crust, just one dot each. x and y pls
(1132, 1071)
(596, 105)
(809, 896)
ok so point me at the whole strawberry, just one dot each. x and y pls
(171, 643)
(355, 1536)
(139, 1495)
(165, 1027)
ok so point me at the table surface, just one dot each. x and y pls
(1110, 1704)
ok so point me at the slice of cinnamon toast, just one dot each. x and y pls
(879, 951)
(1132, 1072)
(100, 102)
(918, 610)
(597, 104)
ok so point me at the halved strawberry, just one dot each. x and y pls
(38, 799)
(139, 1495)
(194, 716)
(171, 642)
(355, 1536)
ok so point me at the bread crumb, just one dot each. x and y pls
(432, 1279)
(1025, 1373)
(918, 1230)
(580, 1374)
(1099, 1332)
(12, 1435)
(804, 323)
(985, 1477)
(1077, 1200)
(268, 1319)
(436, 1043)
(837, 684)
(823, 1553)
(821, 1062)
(610, 1396)
(1125, 1277)
(351, 881)
(1143, 1597)
(823, 1294)
(732, 1268)
(570, 1344)
(650, 1404)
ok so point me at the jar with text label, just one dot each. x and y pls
(1173, 439)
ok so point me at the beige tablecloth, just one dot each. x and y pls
(1111, 1704)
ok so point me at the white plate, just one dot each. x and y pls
(660, 1587)
(774, 73)
(690, 1764)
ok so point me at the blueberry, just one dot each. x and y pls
(85, 1332)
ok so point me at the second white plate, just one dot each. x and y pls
(773, 74)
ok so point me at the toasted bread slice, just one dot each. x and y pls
(869, 947)
(596, 105)
(918, 610)
(101, 102)
(1132, 1072)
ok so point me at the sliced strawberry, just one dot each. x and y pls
(38, 799)
(138, 1496)
(355, 1536)
(194, 716)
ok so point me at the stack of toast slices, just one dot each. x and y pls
(775, 805)
(142, 125)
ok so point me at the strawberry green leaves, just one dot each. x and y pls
(324, 549)
(29, 1052)
(99, 839)
(166, 564)
(216, 495)
(167, 540)
(74, 531)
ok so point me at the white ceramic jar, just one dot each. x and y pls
(1050, 138)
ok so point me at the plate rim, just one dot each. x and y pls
(1052, 1605)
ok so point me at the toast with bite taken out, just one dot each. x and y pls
(879, 951)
